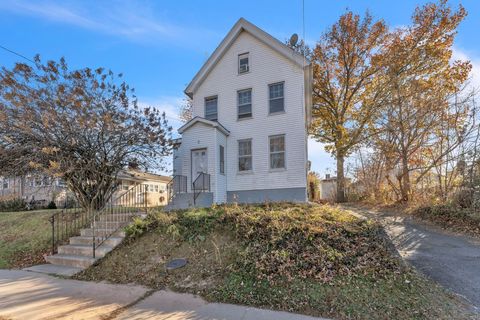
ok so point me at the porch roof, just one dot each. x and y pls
(196, 120)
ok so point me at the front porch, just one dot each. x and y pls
(180, 197)
(199, 165)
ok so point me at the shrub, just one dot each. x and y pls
(137, 228)
(51, 205)
(288, 241)
(14, 204)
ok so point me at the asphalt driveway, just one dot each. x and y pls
(451, 260)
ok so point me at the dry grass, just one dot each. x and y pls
(24, 238)
(450, 217)
(316, 260)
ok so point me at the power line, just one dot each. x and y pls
(17, 54)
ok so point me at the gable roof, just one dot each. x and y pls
(243, 25)
(197, 119)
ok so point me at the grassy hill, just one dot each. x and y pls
(24, 238)
(316, 260)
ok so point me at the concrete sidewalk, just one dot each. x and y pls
(30, 296)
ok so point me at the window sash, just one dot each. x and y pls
(245, 147)
(222, 159)
(211, 108)
(244, 102)
(277, 152)
(276, 97)
(243, 63)
(244, 155)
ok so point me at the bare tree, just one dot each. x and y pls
(81, 125)
(186, 110)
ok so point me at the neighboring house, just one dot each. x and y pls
(328, 188)
(42, 190)
(247, 141)
(38, 189)
(156, 186)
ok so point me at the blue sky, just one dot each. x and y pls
(159, 45)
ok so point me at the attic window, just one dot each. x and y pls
(243, 65)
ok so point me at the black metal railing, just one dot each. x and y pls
(118, 213)
(67, 222)
(106, 220)
(178, 184)
(201, 184)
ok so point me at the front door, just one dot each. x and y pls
(199, 163)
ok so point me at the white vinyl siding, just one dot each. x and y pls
(277, 151)
(245, 155)
(244, 103)
(267, 68)
(276, 101)
(211, 108)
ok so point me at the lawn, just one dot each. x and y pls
(316, 260)
(24, 237)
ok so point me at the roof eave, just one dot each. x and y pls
(214, 124)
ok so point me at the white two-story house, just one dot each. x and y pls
(247, 141)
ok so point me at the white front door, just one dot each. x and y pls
(199, 163)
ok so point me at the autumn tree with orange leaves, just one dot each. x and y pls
(81, 125)
(347, 90)
(427, 114)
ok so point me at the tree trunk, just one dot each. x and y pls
(340, 178)
(405, 185)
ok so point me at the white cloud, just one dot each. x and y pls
(131, 20)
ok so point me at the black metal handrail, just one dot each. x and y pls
(178, 184)
(118, 213)
(68, 222)
(201, 184)
(105, 221)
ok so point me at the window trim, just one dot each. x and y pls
(239, 72)
(221, 156)
(205, 106)
(239, 105)
(238, 156)
(5, 181)
(277, 152)
(270, 99)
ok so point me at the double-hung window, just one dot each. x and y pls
(277, 151)
(5, 183)
(276, 98)
(244, 100)
(243, 65)
(222, 160)
(245, 155)
(211, 108)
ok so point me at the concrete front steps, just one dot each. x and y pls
(78, 254)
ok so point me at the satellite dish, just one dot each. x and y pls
(293, 40)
